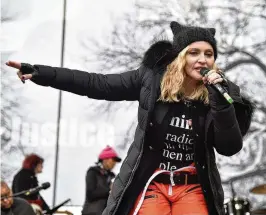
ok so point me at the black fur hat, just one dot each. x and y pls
(185, 35)
(163, 52)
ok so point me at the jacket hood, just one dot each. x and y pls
(159, 54)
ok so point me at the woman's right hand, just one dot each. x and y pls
(26, 71)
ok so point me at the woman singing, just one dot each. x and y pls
(170, 167)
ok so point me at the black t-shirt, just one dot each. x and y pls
(178, 148)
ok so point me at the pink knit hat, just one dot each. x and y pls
(109, 152)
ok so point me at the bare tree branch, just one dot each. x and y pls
(237, 10)
(252, 60)
(10, 101)
(130, 39)
(238, 63)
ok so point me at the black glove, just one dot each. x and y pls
(29, 69)
(216, 100)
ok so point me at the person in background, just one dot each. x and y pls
(13, 205)
(26, 179)
(99, 182)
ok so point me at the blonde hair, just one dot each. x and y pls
(172, 85)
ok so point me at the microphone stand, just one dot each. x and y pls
(27, 192)
(16, 194)
(233, 195)
(53, 210)
(232, 189)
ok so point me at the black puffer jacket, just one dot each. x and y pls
(223, 130)
(98, 182)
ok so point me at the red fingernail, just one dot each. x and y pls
(23, 79)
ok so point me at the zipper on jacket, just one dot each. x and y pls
(213, 190)
(130, 179)
(189, 106)
(208, 166)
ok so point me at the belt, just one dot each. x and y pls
(178, 179)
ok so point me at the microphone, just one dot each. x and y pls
(44, 186)
(217, 86)
(31, 191)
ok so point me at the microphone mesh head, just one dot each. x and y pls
(204, 71)
(46, 185)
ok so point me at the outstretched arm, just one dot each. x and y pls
(113, 87)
